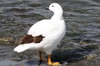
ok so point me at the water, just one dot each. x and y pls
(80, 44)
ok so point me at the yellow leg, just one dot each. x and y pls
(50, 62)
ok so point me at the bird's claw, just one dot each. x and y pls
(54, 64)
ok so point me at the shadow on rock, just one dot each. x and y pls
(32, 62)
(73, 55)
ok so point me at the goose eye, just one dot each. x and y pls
(52, 5)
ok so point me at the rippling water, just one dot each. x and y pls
(82, 19)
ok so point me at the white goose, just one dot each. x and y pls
(45, 35)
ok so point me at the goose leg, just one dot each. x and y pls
(41, 58)
(50, 62)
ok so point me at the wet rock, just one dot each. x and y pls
(90, 56)
(18, 10)
(34, 5)
(73, 54)
(31, 15)
(16, 59)
(8, 41)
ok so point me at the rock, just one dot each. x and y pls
(7, 41)
(90, 56)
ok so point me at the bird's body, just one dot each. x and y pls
(49, 31)
(52, 30)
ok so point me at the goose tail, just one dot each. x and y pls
(23, 47)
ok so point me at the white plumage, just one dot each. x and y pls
(52, 29)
